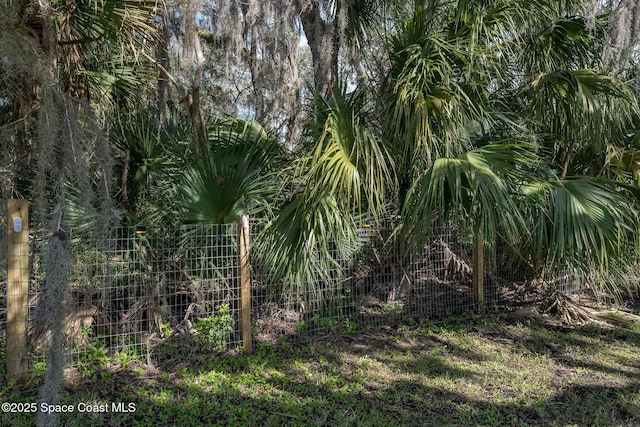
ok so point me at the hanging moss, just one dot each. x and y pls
(51, 312)
(57, 138)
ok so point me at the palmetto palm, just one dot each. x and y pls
(579, 111)
(341, 178)
(239, 174)
(561, 103)
(464, 128)
(100, 45)
(149, 161)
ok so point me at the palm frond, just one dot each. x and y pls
(307, 244)
(344, 176)
(620, 163)
(361, 18)
(444, 68)
(478, 190)
(583, 221)
(107, 20)
(149, 159)
(578, 108)
(238, 176)
(563, 43)
(426, 102)
(348, 158)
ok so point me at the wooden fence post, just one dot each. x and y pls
(245, 282)
(17, 287)
(478, 271)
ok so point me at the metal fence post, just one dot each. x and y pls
(17, 287)
(245, 282)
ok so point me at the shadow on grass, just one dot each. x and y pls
(572, 347)
(414, 377)
(400, 403)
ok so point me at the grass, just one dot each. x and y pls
(480, 371)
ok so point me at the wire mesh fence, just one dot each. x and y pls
(136, 293)
(131, 291)
(152, 283)
(386, 283)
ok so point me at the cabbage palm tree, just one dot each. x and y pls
(550, 102)
(484, 117)
(341, 178)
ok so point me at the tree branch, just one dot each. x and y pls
(167, 74)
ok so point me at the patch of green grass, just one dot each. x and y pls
(481, 371)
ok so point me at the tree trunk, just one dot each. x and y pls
(192, 43)
(162, 56)
(320, 37)
(199, 129)
(567, 159)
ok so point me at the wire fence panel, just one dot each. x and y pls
(153, 294)
(387, 282)
(135, 292)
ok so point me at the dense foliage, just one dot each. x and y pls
(514, 119)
